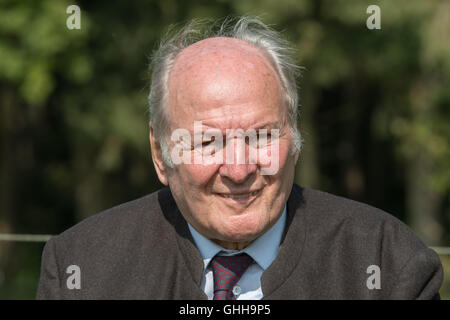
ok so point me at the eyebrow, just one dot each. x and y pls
(264, 125)
(269, 125)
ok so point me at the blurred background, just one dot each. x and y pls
(375, 111)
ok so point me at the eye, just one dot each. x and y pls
(264, 138)
(207, 142)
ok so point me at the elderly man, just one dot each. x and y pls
(232, 224)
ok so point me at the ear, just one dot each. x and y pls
(296, 155)
(157, 158)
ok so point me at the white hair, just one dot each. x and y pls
(248, 29)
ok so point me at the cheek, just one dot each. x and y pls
(284, 152)
(287, 166)
(274, 159)
(195, 175)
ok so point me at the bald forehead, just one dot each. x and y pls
(218, 51)
(221, 62)
(224, 55)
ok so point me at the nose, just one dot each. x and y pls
(239, 169)
(237, 173)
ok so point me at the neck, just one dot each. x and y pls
(232, 245)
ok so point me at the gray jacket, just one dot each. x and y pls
(332, 248)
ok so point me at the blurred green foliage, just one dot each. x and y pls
(375, 110)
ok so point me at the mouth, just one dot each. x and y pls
(240, 197)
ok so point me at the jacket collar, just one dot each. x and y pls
(289, 253)
(291, 247)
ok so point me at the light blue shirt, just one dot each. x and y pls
(263, 250)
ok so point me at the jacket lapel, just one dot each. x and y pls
(287, 259)
(186, 245)
(291, 247)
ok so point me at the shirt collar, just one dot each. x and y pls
(263, 250)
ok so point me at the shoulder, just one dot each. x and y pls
(336, 206)
(333, 208)
(117, 251)
(358, 223)
(343, 238)
(119, 225)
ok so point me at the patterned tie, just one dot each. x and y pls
(227, 271)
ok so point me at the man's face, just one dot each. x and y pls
(228, 84)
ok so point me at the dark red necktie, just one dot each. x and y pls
(227, 271)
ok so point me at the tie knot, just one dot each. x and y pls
(227, 271)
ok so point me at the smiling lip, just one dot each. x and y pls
(240, 197)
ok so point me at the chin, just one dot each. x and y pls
(240, 230)
(239, 238)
